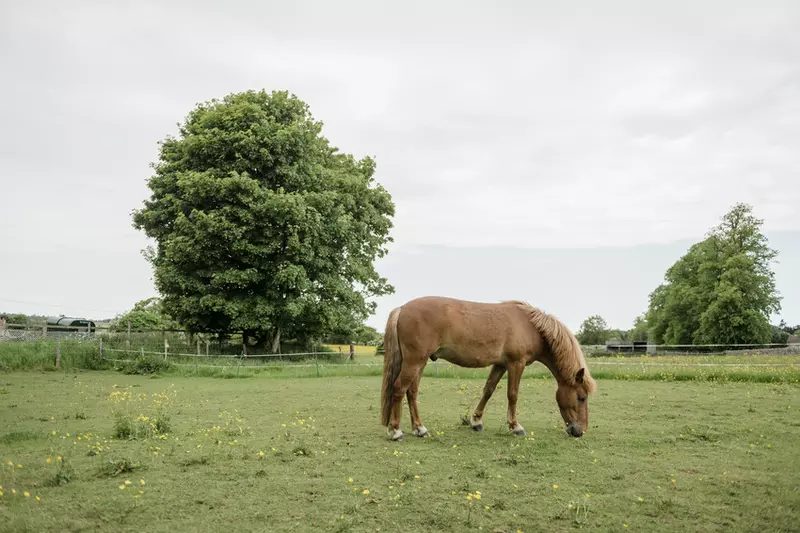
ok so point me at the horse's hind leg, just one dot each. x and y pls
(491, 383)
(408, 375)
(413, 406)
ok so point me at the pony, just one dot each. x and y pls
(508, 336)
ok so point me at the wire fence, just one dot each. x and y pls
(214, 344)
(48, 347)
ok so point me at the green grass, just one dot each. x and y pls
(660, 456)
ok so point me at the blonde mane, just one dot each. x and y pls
(563, 344)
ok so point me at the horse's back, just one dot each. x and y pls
(464, 329)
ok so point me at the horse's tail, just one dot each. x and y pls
(392, 362)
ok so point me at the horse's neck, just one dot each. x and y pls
(548, 359)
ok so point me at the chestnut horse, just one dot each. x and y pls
(507, 336)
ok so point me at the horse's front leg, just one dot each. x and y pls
(515, 370)
(491, 383)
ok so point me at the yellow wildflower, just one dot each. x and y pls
(366, 491)
(49, 460)
(555, 486)
(26, 494)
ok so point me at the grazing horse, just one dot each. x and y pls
(507, 336)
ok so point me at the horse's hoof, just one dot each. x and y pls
(519, 432)
(421, 432)
(477, 427)
(396, 434)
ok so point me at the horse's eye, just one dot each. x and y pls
(580, 399)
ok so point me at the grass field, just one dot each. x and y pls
(264, 454)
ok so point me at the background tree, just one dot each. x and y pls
(146, 315)
(261, 226)
(593, 331)
(779, 336)
(639, 331)
(17, 319)
(722, 291)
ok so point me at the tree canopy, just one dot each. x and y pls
(593, 331)
(261, 226)
(722, 291)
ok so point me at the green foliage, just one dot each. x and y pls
(593, 330)
(263, 227)
(722, 291)
(64, 473)
(17, 319)
(146, 315)
(148, 364)
(779, 336)
(639, 331)
(364, 335)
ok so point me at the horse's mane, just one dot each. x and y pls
(565, 347)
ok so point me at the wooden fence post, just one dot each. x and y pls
(58, 354)
(128, 340)
(166, 348)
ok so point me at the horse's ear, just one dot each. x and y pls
(579, 376)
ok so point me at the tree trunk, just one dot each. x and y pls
(276, 341)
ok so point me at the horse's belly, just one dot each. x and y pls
(468, 358)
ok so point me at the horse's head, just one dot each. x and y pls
(573, 402)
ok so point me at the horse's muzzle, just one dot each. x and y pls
(574, 430)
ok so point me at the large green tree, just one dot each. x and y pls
(722, 291)
(262, 226)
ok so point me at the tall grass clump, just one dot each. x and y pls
(41, 355)
(141, 416)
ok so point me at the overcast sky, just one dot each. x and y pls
(635, 126)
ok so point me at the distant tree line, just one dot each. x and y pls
(722, 291)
